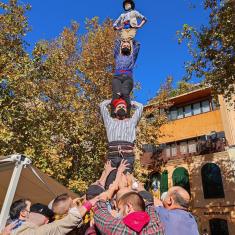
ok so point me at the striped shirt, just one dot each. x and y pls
(121, 130)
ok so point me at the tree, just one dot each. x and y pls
(148, 131)
(155, 115)
(49, 101)
(212, 47)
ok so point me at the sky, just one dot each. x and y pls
(160, 53)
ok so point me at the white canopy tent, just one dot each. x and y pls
(19, 179)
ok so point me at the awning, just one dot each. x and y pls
(33, 184)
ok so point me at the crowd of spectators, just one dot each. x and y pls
(122, 206)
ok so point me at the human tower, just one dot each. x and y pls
(120, 124)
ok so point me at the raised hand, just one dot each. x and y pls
(123, 167)
(123, 183)
(94, 200)
(8, 229)
(118, 28)
(108, 167)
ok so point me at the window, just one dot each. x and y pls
(205, 106)
(212, 181)
(192, 146)
(180, 177)
(162, 111)
(196, 108)
(150, 118)
(155, 179)
(168, 151)
(219, 227)
(173, 150)
(180, 113)
(187, 111)
(169, 115)
(174, 114)
(214, 104)
(183, 148)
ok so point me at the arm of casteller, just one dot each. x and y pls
(140, 16)
(117, 48)
(107, 170)
(153, 213)
(104, 110)
(104, 221)
(63, 226)
(136, 49)
(118, 21)
(138, 112)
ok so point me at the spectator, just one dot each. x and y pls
(135, 217)
(19, 212)
(40, 215)
(175, 216)
(8, 229)
(62, 204)
(96, 189)
(135, 220)
(163, 196)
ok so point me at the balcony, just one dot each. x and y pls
(153, 156)
(190, 127)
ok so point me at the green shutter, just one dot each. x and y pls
(180, 177)
(164, 182)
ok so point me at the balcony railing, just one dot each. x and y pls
(152, 156)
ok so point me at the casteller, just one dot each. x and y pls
(131, 2)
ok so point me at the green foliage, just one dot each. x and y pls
(184, 87)
(212, 47)
(49, 101)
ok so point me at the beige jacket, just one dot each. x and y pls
(59, 227)
(131, 16)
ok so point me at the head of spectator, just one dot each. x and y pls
(163, 196)
(40, 214)
(147, 196)
(93, 191)
(62, 204)
(130, 202)
(20, 209)
(177, 198)
(131, 208)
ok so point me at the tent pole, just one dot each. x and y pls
(20, 162)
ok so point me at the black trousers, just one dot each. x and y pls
(116, 158)
(122, 85)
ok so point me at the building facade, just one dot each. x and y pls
(197, 150)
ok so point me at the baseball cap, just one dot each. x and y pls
(42, 209)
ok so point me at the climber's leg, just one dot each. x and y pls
(116, 89)
(127, 87)
(128, 34)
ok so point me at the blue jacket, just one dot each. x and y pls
(178, 222)
(125, 62)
